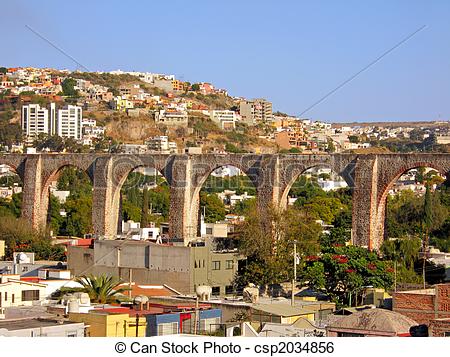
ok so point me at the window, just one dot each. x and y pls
(229, 264)
(169, 328)
(209, 230)
(215, 290)
(71, 334)
(210, 325)
(30, 295)
(6, 296)
(216, 265)
(447, 334)
(229, 290)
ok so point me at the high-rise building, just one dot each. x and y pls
(255, 111)
(70, 122)
(37, 120)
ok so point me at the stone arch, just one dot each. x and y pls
(387, 184)
(202, 168)
(293, 172)
(391, 171)
(123, 165)
(16, 163)
(45, 193)
(52, 165)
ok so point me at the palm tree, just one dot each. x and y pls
(102, 289)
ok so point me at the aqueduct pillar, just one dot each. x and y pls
(32, 192)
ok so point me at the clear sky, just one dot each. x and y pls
(290, 52)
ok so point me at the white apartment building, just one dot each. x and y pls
(225, 119)
(93, 131)
(70, 122)
(37, 120)
(89, 122)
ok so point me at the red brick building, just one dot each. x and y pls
(424, 305)
(440, 328)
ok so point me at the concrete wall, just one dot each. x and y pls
(202, 259)
(74, 329)
(148, 263)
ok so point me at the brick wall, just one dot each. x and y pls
(423, 308)
(439, 328)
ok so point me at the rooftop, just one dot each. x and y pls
(379, 320)
(24, 324)
(282, 309)
(419, 292)
(150, 290)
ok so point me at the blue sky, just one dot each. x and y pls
(290, 52)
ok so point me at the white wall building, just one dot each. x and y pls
(172, 117)
(225, 119)
(162, 144)
(70, 122)
(37, 120)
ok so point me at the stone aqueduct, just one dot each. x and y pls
(370, 176)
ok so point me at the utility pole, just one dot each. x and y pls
(424, 265)
(295, 274)
(130, 282)
(137, 325)
(196, 316)
(395, 275)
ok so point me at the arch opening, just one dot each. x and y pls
(224, 198)
(11, 187)
(144, 205)
(67, 202)
(322, 195)
(414, 220)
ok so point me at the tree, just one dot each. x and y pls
(130, 211)
(68, 87)
(195, 87)
(353, 139)
(11, 207)
(102, 289)
(53, 214)
(268, 244)
(214, 207)
(19, 236)
(338, 236)
(343, 271)
(330, 145)
(144, 214)
(79, 216)
(3, 70)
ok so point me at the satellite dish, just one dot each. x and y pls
(22, 258)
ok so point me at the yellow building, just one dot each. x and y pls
(279, 313)
(122, 104)
(107, 323)
(178, 85)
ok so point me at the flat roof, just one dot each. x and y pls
(24, 324)
(281, 309)
(419, 292)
